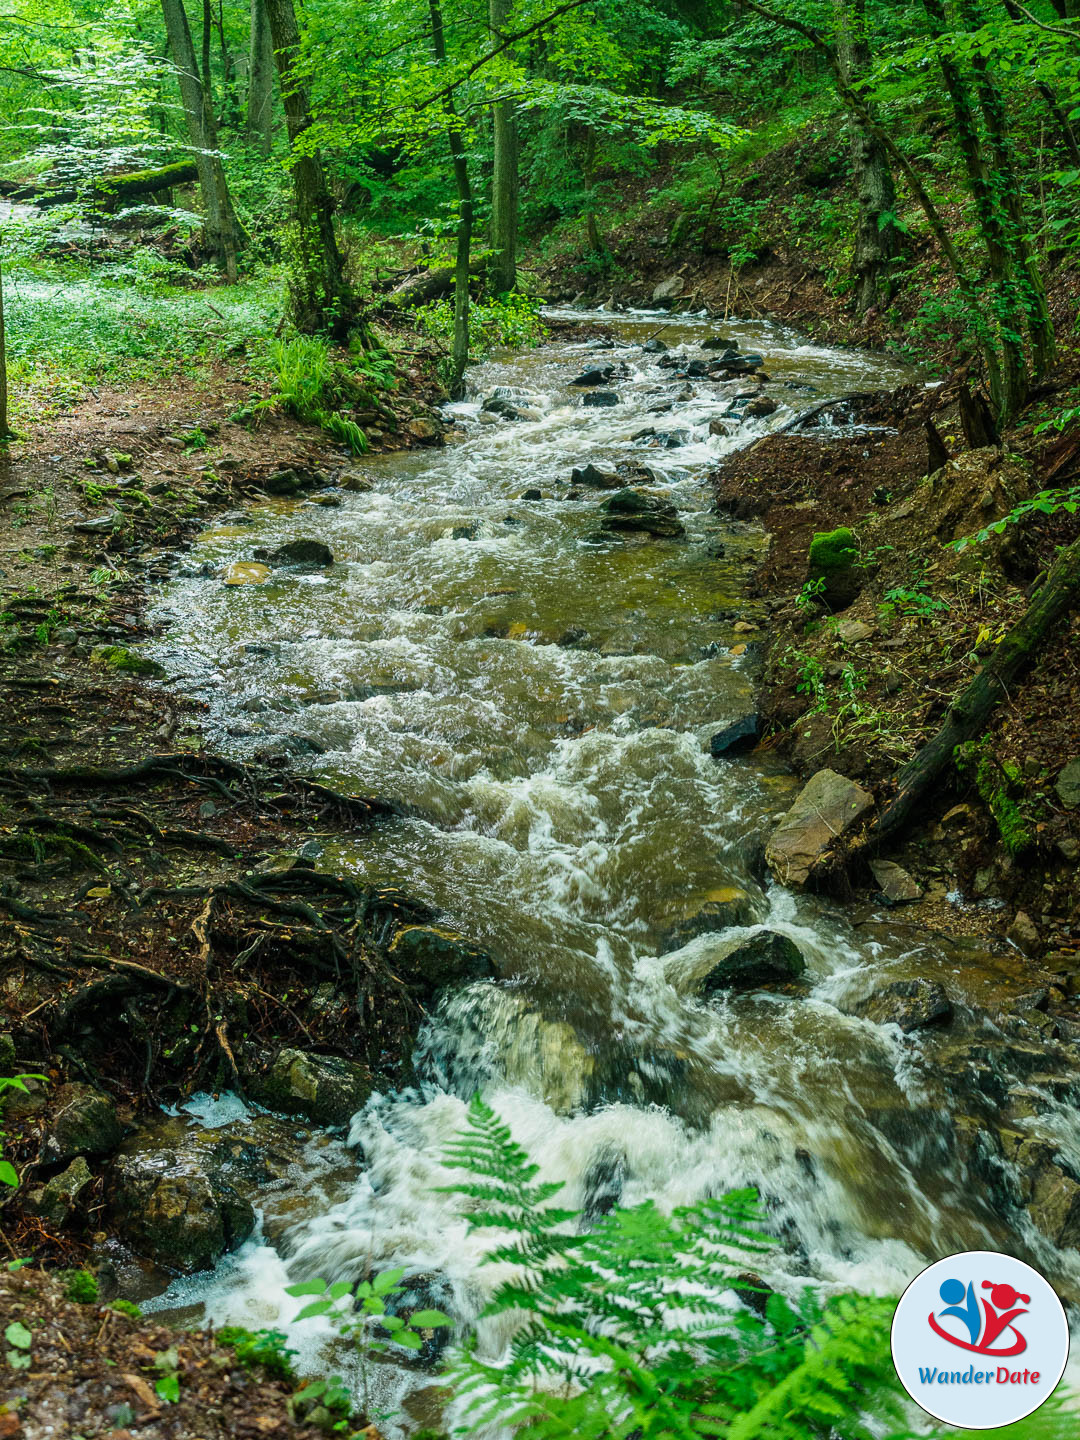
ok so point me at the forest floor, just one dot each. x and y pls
(165, 923)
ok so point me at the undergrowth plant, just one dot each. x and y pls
(8, 1174)
(314, 386)
(631, 1328)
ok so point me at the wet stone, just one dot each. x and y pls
(597, 375)
(302, 554)
(84, 1122)
(600, 399)
(430, 957)
(724, 908)
(737, 738)
(596, 479)
(326, 1088)
(910, 1004)
(630, 510)
(894, 883)
(767, 958)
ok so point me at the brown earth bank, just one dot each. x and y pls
(859, 681)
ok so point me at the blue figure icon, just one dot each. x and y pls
(954, 1293)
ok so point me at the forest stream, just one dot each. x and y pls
(538, 696)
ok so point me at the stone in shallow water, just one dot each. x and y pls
(246, 572)
(325, 1088)
(910, 1004)
(598, 375)
(737, 738)
(599, 399)
(719, 909)
(767, 958)
(430, 957)
(827, 806)
(301, 554)
(630, 510)
(595, 478)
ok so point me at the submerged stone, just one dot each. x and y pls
(246, 572)
(595, 478)
(720, 909)
(598, 399)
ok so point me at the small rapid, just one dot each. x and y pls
(538, 697)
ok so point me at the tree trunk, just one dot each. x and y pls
(260, 100)
(320, 298)
(878, 240)
(5, 428)
(460, 354)
(502, 275)
(968, 715)
(1009, 389)
(1022, 253)
(220, 223)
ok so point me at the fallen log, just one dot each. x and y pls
(429, 285)
(111, 191)
(967, 716)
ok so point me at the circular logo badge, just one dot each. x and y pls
(979, 1340)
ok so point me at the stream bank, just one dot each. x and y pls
(529, 673)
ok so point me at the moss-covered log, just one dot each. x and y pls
(111, 191)
(967, 716)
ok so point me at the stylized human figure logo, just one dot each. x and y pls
(984, 1327)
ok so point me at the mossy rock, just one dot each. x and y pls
(429, 957)
(326, 1088)
(118, 657)
(834, 559)
(84, 1122)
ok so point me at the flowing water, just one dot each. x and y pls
(540, 700)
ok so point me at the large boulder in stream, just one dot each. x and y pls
(827, 806)
(630, 511)
(767, 958)
(182, 1195)
(301, 554)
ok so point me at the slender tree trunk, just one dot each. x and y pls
(967, 717)
(260, 103)
(220, 223)
(502, 277)
(857, 106)
(1007, 183)
(5, 428)
(1012, 385)
(460, 355)
(320, 298)
(1061, 118)
(878, 239)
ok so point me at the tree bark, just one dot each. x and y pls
(220, 224)
(460, 353)
(968, 715)
(878, 239)
(320, 298)
(260, 99)
(502, 275)
(5, 428)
